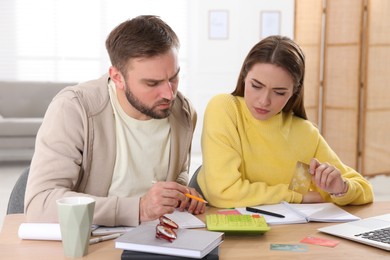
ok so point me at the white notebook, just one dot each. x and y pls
(189, 242)
(303, 213)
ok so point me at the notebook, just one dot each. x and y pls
(134, 255)
(247, 224)
(303, 213)
(366, 231)
(189, 242)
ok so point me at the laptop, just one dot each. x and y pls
(373, 231)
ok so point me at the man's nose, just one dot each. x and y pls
(167, 91)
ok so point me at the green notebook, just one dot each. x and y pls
(234, 223)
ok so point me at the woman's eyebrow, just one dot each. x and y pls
(276, 88)
(258, 82)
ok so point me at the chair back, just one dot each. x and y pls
(16, 199)
(194, 182)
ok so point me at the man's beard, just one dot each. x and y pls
(149, 111)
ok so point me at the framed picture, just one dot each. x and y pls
(269, 23)
(218, 24)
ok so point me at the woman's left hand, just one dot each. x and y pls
(327, 177)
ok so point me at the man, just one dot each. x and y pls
(123, 139)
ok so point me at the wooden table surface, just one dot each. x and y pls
(234, 247)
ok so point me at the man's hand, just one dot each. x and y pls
(193, 206)
(164, 197)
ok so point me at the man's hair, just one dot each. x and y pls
(142, 36)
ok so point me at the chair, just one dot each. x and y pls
(16, 199)
(194, 182)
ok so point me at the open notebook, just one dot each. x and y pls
(374, 231)
(303, 213)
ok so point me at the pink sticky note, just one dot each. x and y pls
(320, 241)
(229, 211)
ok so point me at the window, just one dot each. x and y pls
(64, 40)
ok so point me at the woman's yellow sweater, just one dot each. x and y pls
(250, 162)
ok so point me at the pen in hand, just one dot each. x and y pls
(264, 212)
(195, 198)
(104, 238)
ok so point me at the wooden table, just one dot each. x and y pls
(234, 247)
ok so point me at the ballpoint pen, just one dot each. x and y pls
(195, 198)
(264, 212)
(104, 238)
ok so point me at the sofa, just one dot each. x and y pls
(22, 108)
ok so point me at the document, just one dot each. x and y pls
(303, 213)
(189, 242)
(183, 219)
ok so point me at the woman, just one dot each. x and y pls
(253, 138)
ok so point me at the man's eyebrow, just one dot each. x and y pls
(175, 75)
(161, 80)
(277, 88)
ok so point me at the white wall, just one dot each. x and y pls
(209, 66)
(214, 64)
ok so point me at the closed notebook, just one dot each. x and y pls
(134, 255)
(191, 243)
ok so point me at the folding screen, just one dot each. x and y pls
(376, 105)
(342, 56)
(308, 15)
(347, 44)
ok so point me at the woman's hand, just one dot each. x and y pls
(327, 177)
(312, 197)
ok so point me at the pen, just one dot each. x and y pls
(104, 238)
(195, 198)
(264, 212)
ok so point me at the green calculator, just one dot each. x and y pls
(235, 223)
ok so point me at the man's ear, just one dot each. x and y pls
(117, 77)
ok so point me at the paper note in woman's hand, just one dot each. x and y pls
(301, 180)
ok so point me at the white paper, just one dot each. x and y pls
(40, 231)
(183, 219)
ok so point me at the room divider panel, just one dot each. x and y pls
(347, 46)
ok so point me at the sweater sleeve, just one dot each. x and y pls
(222, 177)
(359, 189)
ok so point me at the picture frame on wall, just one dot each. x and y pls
(270, 23)
(218, 24)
